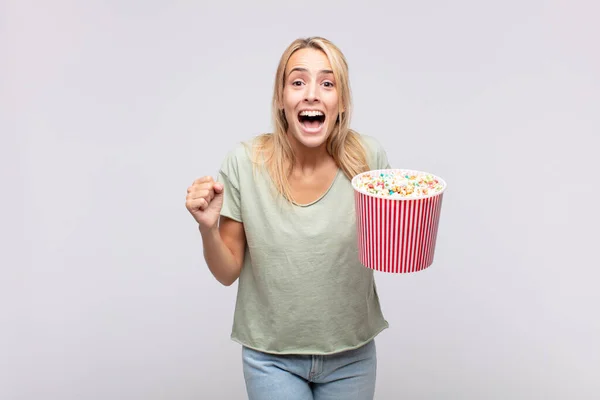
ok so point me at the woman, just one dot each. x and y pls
(281, 218)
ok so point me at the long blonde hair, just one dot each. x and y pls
(343, 144)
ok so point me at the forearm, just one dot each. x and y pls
(220, 259)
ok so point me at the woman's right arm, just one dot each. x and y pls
(223, 239)
(224, 249)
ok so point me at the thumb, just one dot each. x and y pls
(218, 187)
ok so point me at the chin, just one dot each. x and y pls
(311, 139)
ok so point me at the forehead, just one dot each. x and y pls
(311, 59)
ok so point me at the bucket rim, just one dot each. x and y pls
(408, 170)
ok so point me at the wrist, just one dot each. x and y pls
(208, 231)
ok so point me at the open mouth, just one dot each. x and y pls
(311, 120)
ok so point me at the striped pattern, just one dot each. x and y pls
(397, 236)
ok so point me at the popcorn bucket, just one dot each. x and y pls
(397, 218)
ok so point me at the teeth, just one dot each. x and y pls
(310, 113)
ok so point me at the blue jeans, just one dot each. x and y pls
(349, 375)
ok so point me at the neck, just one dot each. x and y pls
(308, 159)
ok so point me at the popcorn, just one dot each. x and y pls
(398, 184)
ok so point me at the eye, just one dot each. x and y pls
(297, 83)
(328, 84)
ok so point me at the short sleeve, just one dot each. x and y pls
(376, 154)
(382, 160)
(229, 176)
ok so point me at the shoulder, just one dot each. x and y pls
(375, 151)
(247, 149)
(240, 154)
(236, 161)
(241, 160)
(371, 144)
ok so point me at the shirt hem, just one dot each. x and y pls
(385, 326)
(231, 216)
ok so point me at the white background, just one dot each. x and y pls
(111, 109)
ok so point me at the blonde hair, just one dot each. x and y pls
(343, 144)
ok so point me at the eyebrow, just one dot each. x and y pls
(323, 71)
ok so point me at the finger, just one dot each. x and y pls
(202, 204)
(205, 186)
(196, 195)
(202, 186)
(208, 195)
(194, 205)
(218, 187)
(204, 179)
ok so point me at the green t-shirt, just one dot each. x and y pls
(302, 288)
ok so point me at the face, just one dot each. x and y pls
(310, 97)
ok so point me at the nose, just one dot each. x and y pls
(312, 92)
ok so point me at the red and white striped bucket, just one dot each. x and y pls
(396, 234)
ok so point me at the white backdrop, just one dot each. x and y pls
(111, 109)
